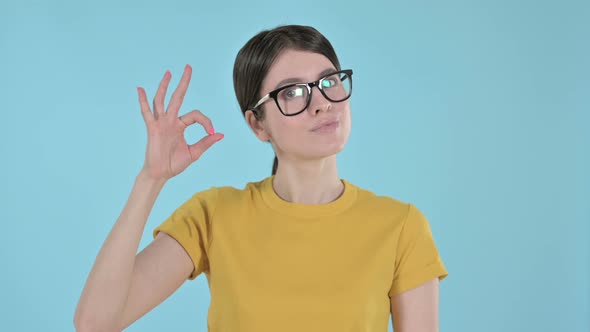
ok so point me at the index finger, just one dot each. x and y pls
(147, 114)
(197, 116)
(179, 92)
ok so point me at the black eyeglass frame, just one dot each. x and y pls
(273, 94)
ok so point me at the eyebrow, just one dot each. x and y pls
(299, 80)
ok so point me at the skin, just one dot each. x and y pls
(123, 286)
(307, 172)
(416, 310)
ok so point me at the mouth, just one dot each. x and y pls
(327, 127)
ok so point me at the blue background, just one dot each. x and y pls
(475, 111)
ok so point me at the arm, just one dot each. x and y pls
(416, 310)
(160, 269)
(121, 286)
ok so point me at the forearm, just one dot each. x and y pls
(106, 289)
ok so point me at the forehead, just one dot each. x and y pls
(290, 63)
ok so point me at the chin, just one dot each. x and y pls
(325, 150)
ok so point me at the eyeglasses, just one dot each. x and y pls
(293, 99)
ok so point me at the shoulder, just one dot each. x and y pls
(381, 203)
(229, 193)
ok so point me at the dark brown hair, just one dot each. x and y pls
(258, 54)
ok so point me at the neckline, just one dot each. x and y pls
(307, 211)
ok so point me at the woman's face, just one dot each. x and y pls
(294, 137)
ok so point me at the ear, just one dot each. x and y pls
(257, 126)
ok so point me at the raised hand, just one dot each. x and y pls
(168, 153)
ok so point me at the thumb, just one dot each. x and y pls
(205, 143)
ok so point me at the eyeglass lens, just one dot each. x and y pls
(294, 99)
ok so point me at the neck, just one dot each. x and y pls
(308, 182)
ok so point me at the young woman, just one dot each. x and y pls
(300, 250)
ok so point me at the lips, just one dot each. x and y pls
(325, 124)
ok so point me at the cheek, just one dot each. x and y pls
(286, 131)
(292, 134)
(345, 121)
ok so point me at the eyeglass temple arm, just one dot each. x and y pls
(261, 101)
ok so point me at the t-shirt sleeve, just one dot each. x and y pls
(417, 259)
(190, 225)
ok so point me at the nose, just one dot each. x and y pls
(318, 102)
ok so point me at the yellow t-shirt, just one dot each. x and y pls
(273, 265)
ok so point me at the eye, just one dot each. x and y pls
(329, 82)
(293, 92)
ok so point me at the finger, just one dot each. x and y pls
(180, 91)
(161, 94)
(197, 149)
(145, 107)
(196, 116)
